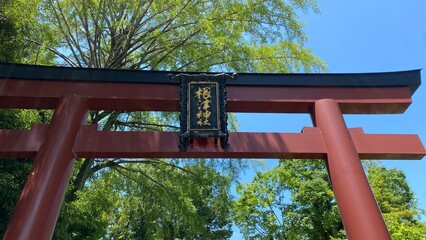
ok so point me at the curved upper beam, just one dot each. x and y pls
(27, 86)
(409, 78)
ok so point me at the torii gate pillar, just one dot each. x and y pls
(358, 208)
(42, 196)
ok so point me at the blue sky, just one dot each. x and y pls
(366, 36)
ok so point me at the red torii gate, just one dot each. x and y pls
(72, 92)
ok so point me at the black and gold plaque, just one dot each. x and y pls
(203, 107)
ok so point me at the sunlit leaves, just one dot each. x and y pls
(24, 37)
(397, 202)
(303, 206)
(291, 201)
(183, 35)
(153, 200)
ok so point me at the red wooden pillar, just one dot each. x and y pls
(358, 208)
(38, 207)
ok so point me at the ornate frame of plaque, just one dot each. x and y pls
(203, 107)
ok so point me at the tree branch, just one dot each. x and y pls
(57, 53)
(138, 124)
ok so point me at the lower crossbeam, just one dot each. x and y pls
(306, 145)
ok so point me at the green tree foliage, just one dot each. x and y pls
(200, 213)
(397, 202)
(13, 174)
(150, 199)
(251, 35)
(23, 36)
(295, 201)
(291, 201)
